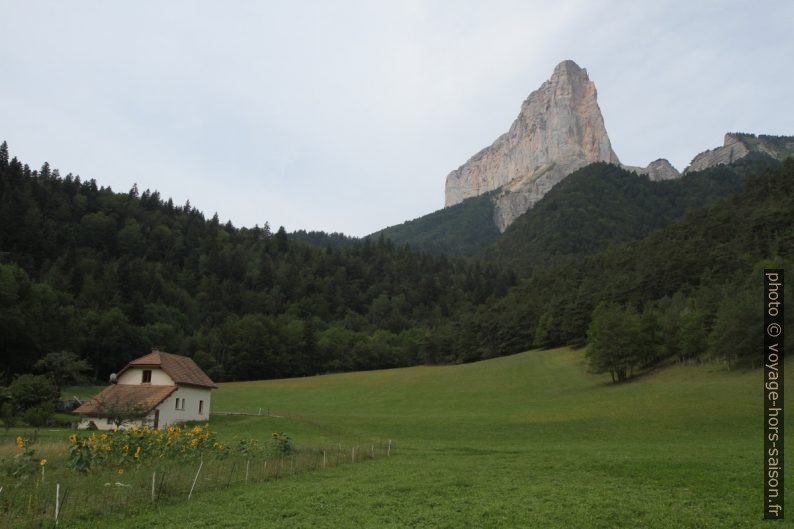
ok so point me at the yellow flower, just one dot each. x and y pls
(197, 429)
(73, 438)
(120, 471)
(43, 461)
(137, 452)
(20, 442)
(194, 443)
(103, 437)
(126, 448)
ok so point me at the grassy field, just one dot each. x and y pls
(530, 440)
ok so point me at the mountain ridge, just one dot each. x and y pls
(559, 130)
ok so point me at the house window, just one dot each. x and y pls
(180, 404)
(176, 406)
(110, 421)
(147, 376)
(201, 407)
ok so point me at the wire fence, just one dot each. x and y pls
(63, 498)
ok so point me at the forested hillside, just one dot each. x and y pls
(110, 275)
(603, 204)
(598, 205)
(459, 230)
(689, 289)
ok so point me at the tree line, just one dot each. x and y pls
(109, 275)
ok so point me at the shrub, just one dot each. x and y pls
(33, 391)
(8, 415)
(38, 416)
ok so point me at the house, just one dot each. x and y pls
(158, 389)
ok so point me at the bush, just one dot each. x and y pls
(37, 417)
(8, 415)
(33, 391)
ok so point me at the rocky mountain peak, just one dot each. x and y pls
(568, 68)
(660, 169)
(558, 130)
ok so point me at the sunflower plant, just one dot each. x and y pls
(25, 463)
(137, 445)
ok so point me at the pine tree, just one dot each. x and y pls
(3, 155)
(281, 239)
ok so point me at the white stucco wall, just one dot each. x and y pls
(134, 375)
(168, 413)
(192, 395)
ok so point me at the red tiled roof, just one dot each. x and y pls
(180, 368)
(133, 397)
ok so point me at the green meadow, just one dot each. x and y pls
(530, 440)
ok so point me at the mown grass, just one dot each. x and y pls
(530, 440)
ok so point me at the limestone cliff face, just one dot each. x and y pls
(732, 149)
(559, 130)
(738, 145)
(659, 169)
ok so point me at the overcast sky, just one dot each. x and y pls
(347, 116)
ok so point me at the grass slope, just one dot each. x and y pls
(530, 440)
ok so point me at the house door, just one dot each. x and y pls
(156, 419)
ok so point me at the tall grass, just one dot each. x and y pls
(29, 502)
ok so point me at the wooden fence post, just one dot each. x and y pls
(195, 479)
(57, 502)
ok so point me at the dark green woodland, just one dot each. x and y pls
(109, 275)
